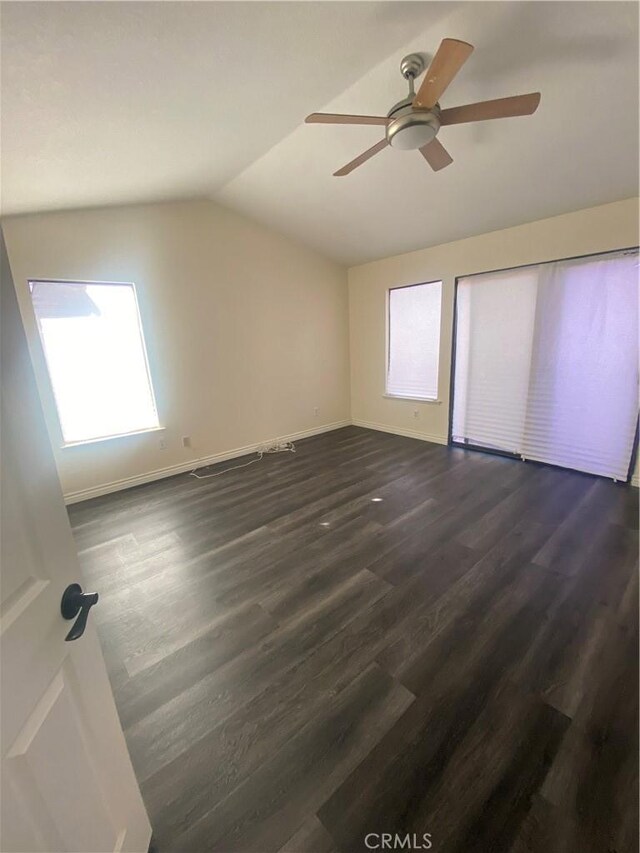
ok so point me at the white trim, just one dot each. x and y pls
(181, 468)
(409, 433)
(434, 400)
(116, 435)
(635, 480)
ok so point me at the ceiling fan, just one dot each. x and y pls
(414, 122)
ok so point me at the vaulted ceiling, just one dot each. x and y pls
(108, 103)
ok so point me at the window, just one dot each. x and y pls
(94, 347)
(546, 362)
(414, 341)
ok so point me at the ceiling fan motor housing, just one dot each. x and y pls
(410, 128)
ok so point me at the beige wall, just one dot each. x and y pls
(597, 229)
(247, 331)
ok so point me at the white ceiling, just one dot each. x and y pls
(108, 103)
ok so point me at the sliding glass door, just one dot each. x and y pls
(495, 316)
(546, 362)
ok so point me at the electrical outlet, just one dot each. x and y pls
(316, 411)
(416, 413)
(186, 441)
(162, 444)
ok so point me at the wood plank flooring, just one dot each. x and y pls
(297, 666)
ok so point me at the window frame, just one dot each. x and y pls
(63, 444)
(437, 400)
(457, 279)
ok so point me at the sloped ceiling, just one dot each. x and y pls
(110, 103)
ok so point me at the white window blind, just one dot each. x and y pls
(547, 362)
(95, 353)
(414, 341)
(583, 388)
(495, 316)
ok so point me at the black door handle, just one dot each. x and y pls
(75, 601)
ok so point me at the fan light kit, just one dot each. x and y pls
(414, 122)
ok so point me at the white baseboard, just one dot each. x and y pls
(409, 433)
(172, 470)
(635, 481)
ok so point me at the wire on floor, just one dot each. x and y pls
(280, 447)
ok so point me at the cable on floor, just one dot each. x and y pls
(281, 447)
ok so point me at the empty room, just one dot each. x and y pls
(319, 369)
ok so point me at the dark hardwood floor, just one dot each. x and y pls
(297, 665)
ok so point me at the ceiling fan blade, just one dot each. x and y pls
(337, 118)
(518, 105)
(436, 155)
(362, 158)
(449, 59)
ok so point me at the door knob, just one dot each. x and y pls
(74, 602)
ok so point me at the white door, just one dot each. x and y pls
(67, 780)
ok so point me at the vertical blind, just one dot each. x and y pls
(547, 362)
(414, 341)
